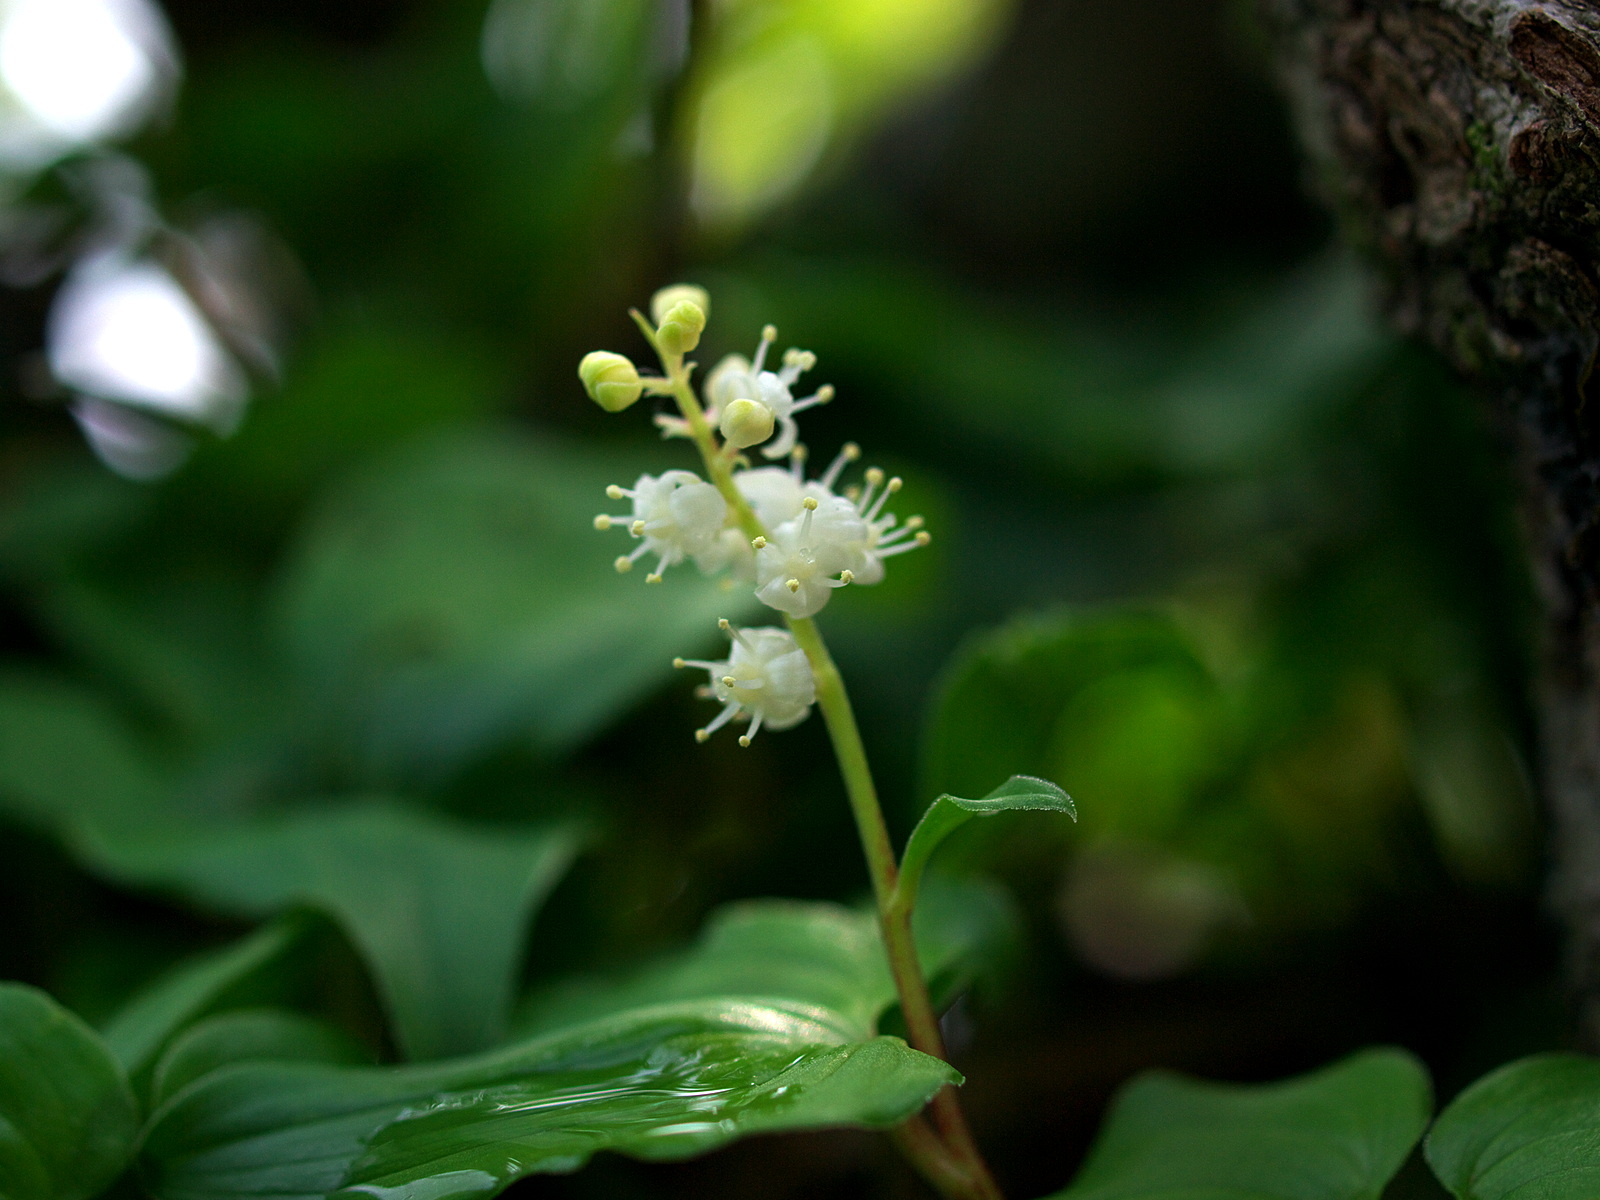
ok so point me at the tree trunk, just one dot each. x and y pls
(1459, 142)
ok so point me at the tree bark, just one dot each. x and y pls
(1459, 142)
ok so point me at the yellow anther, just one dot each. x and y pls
(679, 663)
(615, 492)
(758, 543)
(914, 523)
(624, 564)
(800, 453)
(728, 681)
(923, 538)
(652, 578)
(809, 503)
(744, 739)
(769, 333)
(792, 584)
(896, 484)
(602, 522)
(724, 624)
(874, 476)
(852, 493)
(847, 576)
(851, 452)
(637, 529)
(700, 735)
(825, 393)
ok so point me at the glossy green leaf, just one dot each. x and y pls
(67, 1116)
(1528, 1131)
(439, 909)
(821, 954)
(1020, 793)
(136, 1034)
(1340, 1133)
(248, 1035)
(457, 597)
(768, 1024)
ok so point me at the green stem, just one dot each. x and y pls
(894, 907)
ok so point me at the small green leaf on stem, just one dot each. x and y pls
(1020, 793)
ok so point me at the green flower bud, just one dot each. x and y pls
(667, 298)
(680, 329)
(746, 423)
(610, 379)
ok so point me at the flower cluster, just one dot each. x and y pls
(793, 540)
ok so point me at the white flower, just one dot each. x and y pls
(882, 536)
(766, 676)
(751, 400)
(796, 561)
(677, 514)
(817, 534)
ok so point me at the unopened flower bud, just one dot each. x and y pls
(668, 298)
(680, 328)
(611, 380)
(746, 423)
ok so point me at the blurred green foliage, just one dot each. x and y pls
(1212, 550)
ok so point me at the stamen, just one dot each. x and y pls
(914, 523)
(893, 486)
(617, 493)
(679, 664)
(602, 522)
(792, 584)
(755, 728)
(769, 334)
(758, 543)
(654, 578)
(821, 396)
(728, 681)
(847, 454)
(721, 719)
(624, 564)
(637, 529)
(847, 577)
(809, 504)
(734, 632)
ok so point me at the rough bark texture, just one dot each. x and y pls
(1459, 141)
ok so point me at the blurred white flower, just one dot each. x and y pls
(123, 329)
(78, 72)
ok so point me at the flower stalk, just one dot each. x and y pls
(826, 541)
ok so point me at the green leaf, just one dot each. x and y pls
(249, 1035)
(136, 1034)
(457, 597)
(1020, 793)
(1340, 1133)
(67, 1116)
(818, 954)
(439, 909)
(768, 1024)
(1530, 1130)
(65, 757)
